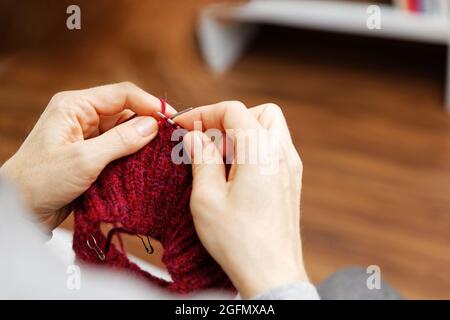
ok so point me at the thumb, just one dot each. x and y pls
(208, 169)
(122, 140)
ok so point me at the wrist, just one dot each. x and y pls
(7, 172)
(10, 172)
(13, 172)
(262, 278)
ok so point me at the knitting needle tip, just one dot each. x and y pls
(181, 112)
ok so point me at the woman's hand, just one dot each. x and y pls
(249, 221)
(78, 134)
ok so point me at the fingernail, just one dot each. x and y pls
(145, 126)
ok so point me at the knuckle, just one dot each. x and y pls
(273, 108)
(233, 108)
(235, 105)
(124, 138)
(66, 100)
(59, 98)
(296, 163)
(203, 199)
(232, 105)
(198, 198)
(128, 85)
(273, 111)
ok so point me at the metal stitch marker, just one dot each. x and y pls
(101, 255)
(96, 248)
(149, 247)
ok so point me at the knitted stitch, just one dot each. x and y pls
(147, 194)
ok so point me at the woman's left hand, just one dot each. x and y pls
(78, 134)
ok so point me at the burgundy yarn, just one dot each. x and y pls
(147, 194)
(163, 105)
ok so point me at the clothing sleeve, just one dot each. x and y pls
(294, 291)
(28, 270)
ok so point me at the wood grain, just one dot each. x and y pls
(366, 115)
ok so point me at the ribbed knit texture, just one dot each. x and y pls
(147, 194)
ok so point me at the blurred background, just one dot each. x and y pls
(367, 114)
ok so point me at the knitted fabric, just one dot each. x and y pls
(147, 194)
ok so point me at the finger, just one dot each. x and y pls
(222, 116)
(271, 117)
(111, 99)
(225, 146)
(108, 122)
(239, 125)
(122, 140)
(208, 169)
(105, 123)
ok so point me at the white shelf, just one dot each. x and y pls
(343, 16)
(224, 30)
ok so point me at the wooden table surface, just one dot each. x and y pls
(366, 115)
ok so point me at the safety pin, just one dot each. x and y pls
(96, 248)
(148, 248)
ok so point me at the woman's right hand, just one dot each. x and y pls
(249, 221)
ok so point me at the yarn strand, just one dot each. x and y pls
(163, 106)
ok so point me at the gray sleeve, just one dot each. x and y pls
(29, 271)
(293, 291)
